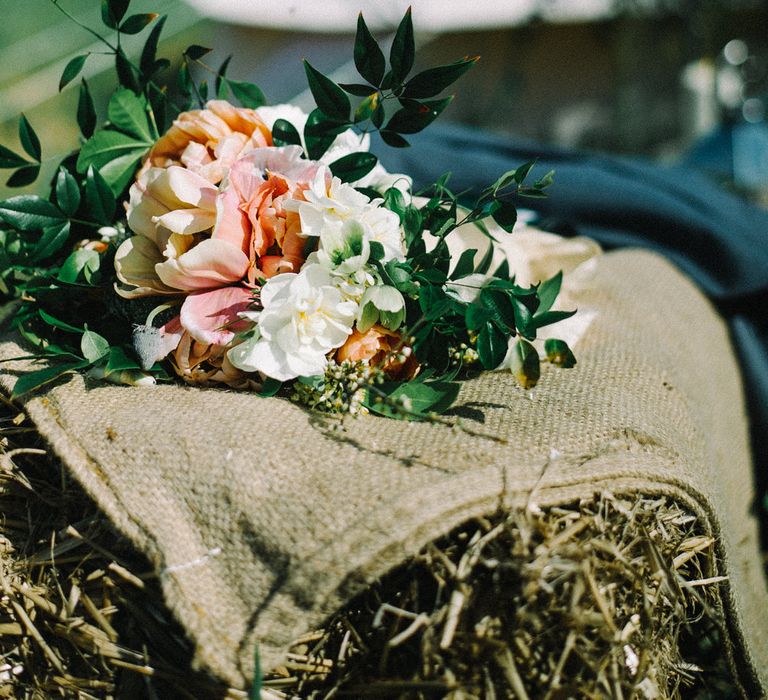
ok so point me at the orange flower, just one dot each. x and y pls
(208, 141)
(379, 346)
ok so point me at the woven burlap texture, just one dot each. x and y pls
(261, 518)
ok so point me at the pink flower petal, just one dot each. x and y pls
(211, 263)
(212, 316)
(231, 222)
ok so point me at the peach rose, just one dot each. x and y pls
(202, 364)
(251, 212)
(208, 141)
(380, 347)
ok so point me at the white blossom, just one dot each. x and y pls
(304, 317)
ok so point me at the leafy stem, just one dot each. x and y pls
(88, 29)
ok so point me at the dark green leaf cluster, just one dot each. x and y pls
(464, 303)
(384, 84)
(26, 171)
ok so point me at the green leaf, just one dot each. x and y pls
(411, 121)
(403, 50)
(34, 380)
(500, 307)
(28, 212)
(525, 364)
(77, 263)
(285, 134)
(393, 139)
(28, 138)
(248, 94)
(522, 172)
(52, 241)
(93, 346)
(147, 63)
(86, 111)
(367, 107)
(9, 159)
(545, 181)
(357, 89)
(505, 215)
(532, 193)
(354, 166)
(120, 361)
(369, 59)
(476, 316)
(377, 118)
(548, 292)
(485, 264)
(72, 70)
(107, 145)
(113, 11)
(128, 113)
(395, 201)
(550, 317)
(491, 346)
(196, 52)
(523, 318)
(24, 176)
(502, 271)
(99, 197)
(465, 265)
(419, 398)
(329, 97)
(158, 101)
(126, 73)
(433, 81)
(119, 173)
(57, 323)
(67, 192)
(558, 353)
(135, 23)
(270, 387)
(184, 80)
(221, 85)
(320, 132)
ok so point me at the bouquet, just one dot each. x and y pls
(201, 235)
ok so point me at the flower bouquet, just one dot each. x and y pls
(262, 248)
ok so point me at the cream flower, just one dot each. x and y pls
(331, 206)
(304, 317)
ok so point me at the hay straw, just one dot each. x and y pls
(608, 597)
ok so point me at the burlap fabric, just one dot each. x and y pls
(262, 518)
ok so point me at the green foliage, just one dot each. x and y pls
(369, 58)
(330, 99)
(28, 212)
(414, 400)
(354, 166)
(116, 151)
(86, 111)
(72, 70)
(383, 85)
(285, 134)
(558, 353)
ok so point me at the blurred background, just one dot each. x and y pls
(671, 80)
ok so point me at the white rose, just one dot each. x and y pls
(304, 317)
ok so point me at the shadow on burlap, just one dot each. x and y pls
(262, 518)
